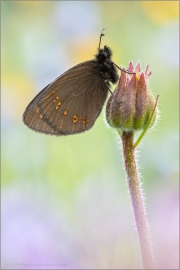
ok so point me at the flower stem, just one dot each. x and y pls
(137, 200)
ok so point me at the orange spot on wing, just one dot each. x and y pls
(75, 119)
(64, 113)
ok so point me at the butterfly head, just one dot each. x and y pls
(104, 54)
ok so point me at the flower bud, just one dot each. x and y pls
(131, 105)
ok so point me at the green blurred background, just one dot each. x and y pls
(65, 203)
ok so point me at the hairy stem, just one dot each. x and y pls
(137, 200)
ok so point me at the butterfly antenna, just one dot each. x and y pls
(126, 71)
(102, 34)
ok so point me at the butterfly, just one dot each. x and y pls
(73, 101)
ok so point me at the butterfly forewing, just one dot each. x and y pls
(64, 106)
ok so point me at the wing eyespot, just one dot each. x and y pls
(84, 120)
(58, 105)
(49, 94)
(75, 119)
(64, 113)
(37, 110)
(56, 99)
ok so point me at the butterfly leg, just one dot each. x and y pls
(106, 82)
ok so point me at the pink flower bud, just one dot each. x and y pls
(131, 105)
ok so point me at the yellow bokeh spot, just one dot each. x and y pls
(161, 11)
(84, 50)
(17, 92)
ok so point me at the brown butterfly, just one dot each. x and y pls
(72, 102)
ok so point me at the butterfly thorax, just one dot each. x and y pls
(105, 67)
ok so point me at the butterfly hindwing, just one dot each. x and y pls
(70, 104)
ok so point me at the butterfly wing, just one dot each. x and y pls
(70, 104)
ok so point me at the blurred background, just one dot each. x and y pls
(65, 203)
